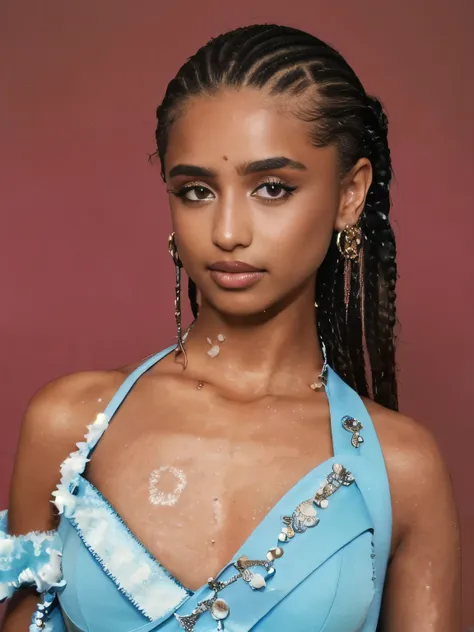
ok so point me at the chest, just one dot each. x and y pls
(194, 478)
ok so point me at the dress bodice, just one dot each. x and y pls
(316, 562)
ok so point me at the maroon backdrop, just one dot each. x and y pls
(85, 277)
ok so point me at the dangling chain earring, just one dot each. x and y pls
(349, 243)
(177, 301)
(322, 378)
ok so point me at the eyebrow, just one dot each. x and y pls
(257, 166)
(269, 164)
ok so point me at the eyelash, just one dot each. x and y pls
(289, 191)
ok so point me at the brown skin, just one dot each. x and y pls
(256, 427)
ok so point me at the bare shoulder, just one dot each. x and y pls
(416, 468)
(54, 421)
(63, 405)
(409, 447)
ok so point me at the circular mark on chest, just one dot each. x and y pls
(158, 496)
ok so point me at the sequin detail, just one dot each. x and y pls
(305, 516)
(352, 425)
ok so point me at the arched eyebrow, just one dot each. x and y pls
(270, 164)
(256, 166)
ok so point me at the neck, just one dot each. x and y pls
(277, 352)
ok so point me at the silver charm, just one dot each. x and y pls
(339, 476)
(187, 622)
(287, 532)
(354, 426)
(304, 517)
(256, 581)
(217, 586)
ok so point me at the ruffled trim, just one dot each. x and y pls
(74, 466)
(32, 560)
(39, 621)
(135, 572)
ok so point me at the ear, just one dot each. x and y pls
(354, 189)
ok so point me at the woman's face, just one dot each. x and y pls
(248, 189)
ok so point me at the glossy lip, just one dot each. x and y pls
(233, 267)
(235, 275)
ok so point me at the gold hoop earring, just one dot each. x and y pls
(349, 244)
(172, 249)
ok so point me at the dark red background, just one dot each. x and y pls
(85, 278)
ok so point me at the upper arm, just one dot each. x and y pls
(54, 422)
(422, 591)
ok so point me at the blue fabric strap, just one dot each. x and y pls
(370, 472)
(343, 400)
(132, 379)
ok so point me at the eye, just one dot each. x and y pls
(194, 193)
(273, 190)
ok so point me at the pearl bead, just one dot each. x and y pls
(220, 610)
(276, 552)
(257, 581)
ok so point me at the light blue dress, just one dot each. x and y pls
(316, 563)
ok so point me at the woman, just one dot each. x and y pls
(261, 479)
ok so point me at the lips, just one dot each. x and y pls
(233, 267)
(235, 275)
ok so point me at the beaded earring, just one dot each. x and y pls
(349, 244)
(172, 249)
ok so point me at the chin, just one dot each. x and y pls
(246, 305)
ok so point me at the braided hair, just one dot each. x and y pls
(327, 94)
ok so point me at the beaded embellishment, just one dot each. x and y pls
(305, 516)
(352, 425)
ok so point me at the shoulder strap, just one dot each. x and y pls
(345, 402)
(132, 379)
(120, 396)
(75, 464)
(370, 473)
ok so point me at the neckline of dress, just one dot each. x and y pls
(312, 473)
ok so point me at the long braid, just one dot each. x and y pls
(192, 295)
(382, 268)
(327, 94)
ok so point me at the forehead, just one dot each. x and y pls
(242, 125)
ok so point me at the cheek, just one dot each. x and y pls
(193, 230)
(299, 232)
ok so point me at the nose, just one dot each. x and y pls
(232, 223)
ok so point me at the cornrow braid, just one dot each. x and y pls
(328, 95)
